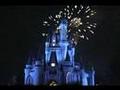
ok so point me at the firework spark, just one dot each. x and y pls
(79, 21)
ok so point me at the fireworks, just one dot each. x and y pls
(75, 22)
(80, 21)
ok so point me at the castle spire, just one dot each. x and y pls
(63, 29)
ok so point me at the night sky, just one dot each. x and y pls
(20, 28)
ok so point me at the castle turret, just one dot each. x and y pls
(32, 72)
(73, 77)
(84, 76)
(27, 71)
(71, 52)
(63, 30)
(63, 38)
(37, 73)
(92, 77)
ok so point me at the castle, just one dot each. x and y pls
(58, 66)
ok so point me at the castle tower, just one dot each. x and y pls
(92, 77)
(28, 80)
(59, 45)
(63, 30)
(71, 52)
(32, 72)
(37, 73)
(63, 38)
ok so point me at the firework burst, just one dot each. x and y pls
(80, 19)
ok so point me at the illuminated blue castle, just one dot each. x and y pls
(59, 66)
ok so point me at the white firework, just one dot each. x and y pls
(79, 20)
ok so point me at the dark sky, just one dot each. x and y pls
(20, 33)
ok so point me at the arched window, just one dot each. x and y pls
(29, 80)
